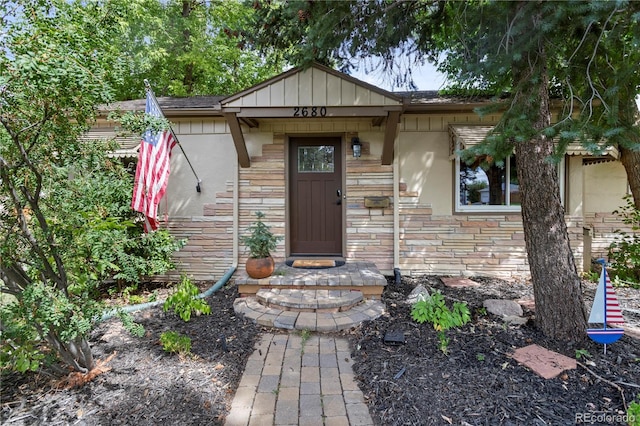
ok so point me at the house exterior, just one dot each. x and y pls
(286, 147)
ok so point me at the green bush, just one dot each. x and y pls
(90, 237)
(624, 252)
(183, 300)
(175, 343)
(433, 309)
(18, 343)
(129, 324)
(633, 412)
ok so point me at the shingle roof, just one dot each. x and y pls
(211, 103)
(167, 103)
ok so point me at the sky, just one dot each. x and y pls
(425, 78)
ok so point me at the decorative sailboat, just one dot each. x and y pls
(605, 310)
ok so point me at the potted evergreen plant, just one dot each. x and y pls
(260, 242)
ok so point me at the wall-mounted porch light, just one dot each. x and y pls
(356, 146)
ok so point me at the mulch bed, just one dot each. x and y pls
(410, 384)
(146, 385)
(478, 383)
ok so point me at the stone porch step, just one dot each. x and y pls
(309, 300)
(361, 276)
(251, 309)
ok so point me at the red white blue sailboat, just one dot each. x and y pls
(605, 310)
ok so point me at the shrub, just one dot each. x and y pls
(633, 412)
(18, 343)
(434, 310)
(183, 301)
(624, 252)
(175, 343)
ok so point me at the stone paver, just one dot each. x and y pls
(542, 361)
(315, 384)
(458, 282)
(324, 300)
(266, 316)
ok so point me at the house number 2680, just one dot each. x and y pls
(309, 111)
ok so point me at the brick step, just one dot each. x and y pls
(309, 300)
(251, 309)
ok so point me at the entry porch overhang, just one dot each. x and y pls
(315, 93)
(235, 117)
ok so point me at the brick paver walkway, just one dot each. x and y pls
(296, 380)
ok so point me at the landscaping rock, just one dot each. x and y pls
(503, 308)
(420, 292)
(515, 320)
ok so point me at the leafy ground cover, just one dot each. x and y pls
(415, 383)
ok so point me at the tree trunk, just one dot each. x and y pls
(631, 161)
(76, 353)
(557, 287)
(188, 79)
(630, 158)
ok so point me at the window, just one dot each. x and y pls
(484, 186)
(316, 159)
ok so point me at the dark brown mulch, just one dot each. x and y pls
(478, 383)
(145, 386)
(411, 384)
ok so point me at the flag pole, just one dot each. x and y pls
(149, 90)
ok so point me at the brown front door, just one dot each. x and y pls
(315, 215)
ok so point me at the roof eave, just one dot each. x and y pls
(175, 112)
(441, 108)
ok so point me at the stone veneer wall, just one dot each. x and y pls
(262, 188)
(602, 227)
(209, 250)
(208, 253)
(369, 231)
(488, 245)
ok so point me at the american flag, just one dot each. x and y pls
(152, 172)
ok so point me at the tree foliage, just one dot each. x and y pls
(342, 34)
(66, 225)
(624, 251)
(186, 48)
(592, 51)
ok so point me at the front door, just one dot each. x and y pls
(315, 215)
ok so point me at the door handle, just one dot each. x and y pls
(339, 194)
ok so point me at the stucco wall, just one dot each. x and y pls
(425, 169)
(209, 147)
(604, 186)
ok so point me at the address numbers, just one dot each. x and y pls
(311, 111)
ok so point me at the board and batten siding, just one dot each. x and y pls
(311, 87)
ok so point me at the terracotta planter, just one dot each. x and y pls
(260, 268)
